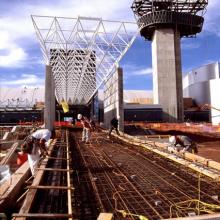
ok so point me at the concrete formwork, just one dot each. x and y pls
(113, 99)
(49, 109)
(167, 78)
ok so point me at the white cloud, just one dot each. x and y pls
(145, 71)
(134, 70)
(18, 20)
(212, 17)
(24, 80)
(14, 58)
(14, 55)
(17, 31)
(189, 45)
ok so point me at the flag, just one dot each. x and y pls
(65, 106)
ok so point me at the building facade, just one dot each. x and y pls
(203, 86)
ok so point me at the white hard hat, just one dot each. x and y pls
(79, 116)
(172, 139)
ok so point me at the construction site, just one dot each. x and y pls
(84, 148)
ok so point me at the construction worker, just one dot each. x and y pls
(113, 126)
(35, 146)
(93, 125)
(87, 128)
(183, 143)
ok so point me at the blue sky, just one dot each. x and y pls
(21, 61)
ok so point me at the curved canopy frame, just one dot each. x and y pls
(83, 52)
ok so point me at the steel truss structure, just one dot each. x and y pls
(83, 52)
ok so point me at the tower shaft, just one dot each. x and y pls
(167, 76)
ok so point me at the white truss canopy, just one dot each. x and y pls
(83, 52)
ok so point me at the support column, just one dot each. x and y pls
(167, 74)
(113, 99)
(49, 109)
(120, 100)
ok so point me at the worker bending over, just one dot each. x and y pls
(87, 128)
(183, 143)
(35, 146)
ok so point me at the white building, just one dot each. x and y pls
(203, 86)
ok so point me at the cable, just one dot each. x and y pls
(195, 204)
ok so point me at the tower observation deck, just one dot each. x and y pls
(165, 22)
(184, 15)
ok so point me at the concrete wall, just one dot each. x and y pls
(167, 76)
(113, 99)
(199, 92)
(215, 101)
(49, 109)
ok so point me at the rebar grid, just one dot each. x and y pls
(140, 182)
(53, 200)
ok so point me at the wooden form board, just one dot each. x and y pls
(105, 216)
(10, 189)
(201, 217)
(32, 192)
(10, 156)
(197, 163)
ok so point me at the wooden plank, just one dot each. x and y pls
(55, 169)
(32, 192)
(213, 164)
(10, 155)
(58, 158)
(41, 215)
(49, 187)
(105, 216)
(201, 217)
(157, 136)
(69, 192)
(186, 159)
(10, 189)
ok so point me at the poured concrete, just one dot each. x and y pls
(49, 110)
(167, 77)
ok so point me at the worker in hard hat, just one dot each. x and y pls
(87, 128)
(35, 146)
(183, 143)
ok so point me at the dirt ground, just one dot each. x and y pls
(210, 150)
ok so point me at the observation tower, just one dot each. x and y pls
(165, 22)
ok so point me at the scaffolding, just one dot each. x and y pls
(83, 52)
(141, 7)
(185, 16)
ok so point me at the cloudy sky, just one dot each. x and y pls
(21, 61)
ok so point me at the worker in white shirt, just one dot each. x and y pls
(35, 147)
(183, 143)
(87, 128)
